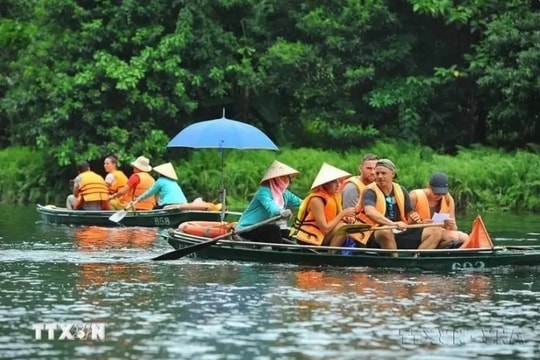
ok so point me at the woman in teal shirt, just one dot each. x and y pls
(271, 199)
(166, 188)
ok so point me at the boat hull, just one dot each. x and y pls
(150, 218)
(439, 260)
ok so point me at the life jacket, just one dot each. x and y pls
(145, 182)
(422, 204)
(120, 179)
(355, 180)
(380, 203)
(305, 228)
(91, 188)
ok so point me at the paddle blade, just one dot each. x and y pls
(118, 216)
(479, 237)
(177, 254)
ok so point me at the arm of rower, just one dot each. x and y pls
(375, 215)
(316, 206)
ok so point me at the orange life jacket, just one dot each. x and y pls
(92, 187)
(422, 204)
(305, 228)
(355, 180)
(145, 182)
(380, 203)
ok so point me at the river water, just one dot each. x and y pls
(73, 279)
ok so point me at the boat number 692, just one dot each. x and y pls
(468, 265)
(162, 220)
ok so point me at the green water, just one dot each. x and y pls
(195, 309)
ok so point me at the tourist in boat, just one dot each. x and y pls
(137, 184)
(435, 198)
(89, 190)
(321, 214)
(166, 188)
(350, 195)
(115, 179)
(385, 202)
(353, 186)
(271, 199)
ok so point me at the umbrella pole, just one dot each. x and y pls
(223, 193)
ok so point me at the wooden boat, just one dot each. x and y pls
(237, 249)
(150, 218)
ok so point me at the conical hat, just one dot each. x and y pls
(327, 174)
(278, 169)
(166, 170)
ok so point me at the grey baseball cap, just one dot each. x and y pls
(387, 163)
(439, 183)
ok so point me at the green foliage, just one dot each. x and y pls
(22, 179)
(481, 179)
(82, 79)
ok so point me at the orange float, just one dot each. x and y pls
(209, 229)
(201, 206)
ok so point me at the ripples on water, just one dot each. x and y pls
(192, 309)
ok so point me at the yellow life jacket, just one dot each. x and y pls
(422, 204)
(92, 187)
(145, 182)
(120, 180)
(305, 228)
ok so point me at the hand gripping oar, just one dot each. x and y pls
(177, 254)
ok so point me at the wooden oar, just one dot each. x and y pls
(119, 215)
(177, 254)
(358, 228)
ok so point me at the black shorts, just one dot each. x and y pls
(408, 239)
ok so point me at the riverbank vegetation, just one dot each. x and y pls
(83, 79)
(481, 179)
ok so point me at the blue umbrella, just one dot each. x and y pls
(222, 134)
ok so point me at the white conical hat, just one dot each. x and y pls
(167, 170)
(328, 173)
(277, 169)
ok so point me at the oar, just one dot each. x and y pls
(357, 228)
(177, 254)
(119, 215)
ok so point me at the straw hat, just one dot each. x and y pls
(166, 170)
(328, 173)
(142, 163)
(278, 169)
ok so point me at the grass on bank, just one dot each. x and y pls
(481, 179)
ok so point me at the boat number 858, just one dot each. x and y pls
(162, 220)
(468, 265)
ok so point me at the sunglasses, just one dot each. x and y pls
(439, 194)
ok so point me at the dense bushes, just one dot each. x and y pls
(481, 179)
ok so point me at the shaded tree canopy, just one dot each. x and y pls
(85, 78)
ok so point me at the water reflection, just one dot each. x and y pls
(200, 309)
(96, 238)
